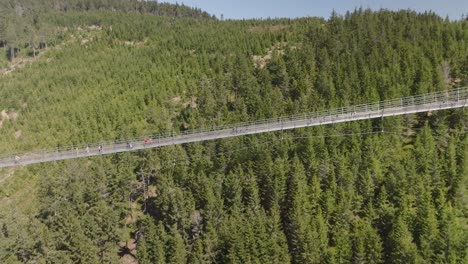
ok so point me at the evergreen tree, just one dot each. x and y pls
(403, 248)
(176, 249)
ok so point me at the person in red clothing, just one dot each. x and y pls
(147, 141)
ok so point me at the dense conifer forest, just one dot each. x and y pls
(392, 190)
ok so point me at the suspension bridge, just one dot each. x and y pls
(455, 98)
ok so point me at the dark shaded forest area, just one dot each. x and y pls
(390, 190)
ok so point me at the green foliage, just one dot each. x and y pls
(334, 194)
(403, 248)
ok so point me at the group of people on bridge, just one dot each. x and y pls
(100, 149)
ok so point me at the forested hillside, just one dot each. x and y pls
(374, 191)
(27, 26)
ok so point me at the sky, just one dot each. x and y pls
(240, 9)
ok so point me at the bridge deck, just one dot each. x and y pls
(407, 105)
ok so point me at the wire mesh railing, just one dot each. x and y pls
(437, 100)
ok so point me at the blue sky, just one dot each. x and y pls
(238, 9)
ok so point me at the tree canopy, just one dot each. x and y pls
(373, 191)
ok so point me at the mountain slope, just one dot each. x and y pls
(338, 193)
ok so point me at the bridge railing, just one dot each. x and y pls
(454, 95)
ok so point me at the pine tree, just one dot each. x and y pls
(426, 227)
(197, 255)
(176, 251)
(403, 249)
(424, 149)
(250, 194)
(151, 246)
(306, 234)
(232, 190)
(277, 244)
(367, 246)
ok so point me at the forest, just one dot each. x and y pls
(391, 190)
